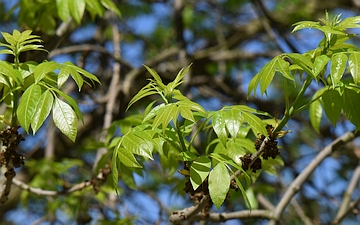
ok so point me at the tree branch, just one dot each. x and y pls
(188, 213)
(296, 184)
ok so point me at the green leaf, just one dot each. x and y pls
(165, 115)
(94, 8)
(114, 171)
(253, 84)
(302, 61)
(75, 71)
(145, 91)
(63, 9)
(27, 106)
(266, 75)
(283, 67)
(109, 4)
(338, 65)
(350, 22)
(157, 78)
(72, 103)
(219, 184)
(43, 109)
(354, 66)
(65, 119)
(218, 124)
(77, 9)
(187, 156)
(243, 192)
(320, 63)
(199, 170)
(315, 110)
(63, 76)
(351, 106)
(256, 124)
(232, 119)
(332, 105)
(43, 68)
(137, 145)
(127, 158)
(305, 24)
(7, 70)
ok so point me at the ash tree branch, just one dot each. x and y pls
(345, 205)
(301, 178)
(187, 213)
(112, 92)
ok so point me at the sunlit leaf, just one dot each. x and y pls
(315, 110)
(320, 63)
(354, 66)
(283, 67)
(199, 171)
(27, 106)
(338, 65)
(232, 119)
(109, 4)
(63, 9)
(165, 114)
(127, 158)
(218, 124)
(219, 184)
(302, 61)
(77, 9)
(43, 68)
(266, 75)
(137, 145)
(43, 109)
(255, 123)
(65, 119)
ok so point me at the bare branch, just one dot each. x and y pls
(345, 206)
(245, 214)
(301, 178)
(187, 213)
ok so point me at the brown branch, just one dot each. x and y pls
(187, 213)
(112, 92)
(301, 178)
(345, 206)
(245, 214)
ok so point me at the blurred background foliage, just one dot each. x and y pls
(228, 41)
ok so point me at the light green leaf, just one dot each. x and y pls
(43, 109)
(63, 9)
(243, 192)
(232, 119)
(266, 75)
(354, 66)
(302, 61)
(199, 170)
(283, 67)
(144, 92)
(157, 78)
(165, 115)
(218, 124)
(27, 106)
(315, 110)
(63, 76)
(320, 63)
(127, 158)
(253, 84)
(332, 105)
(351, 106)
(94, 8)
(338, 65)
(109, 4)
(72, 103)
(252, 199)
(43, 68)
(65, 119)
(305, 24)
(219, 184)
(256, 124)
(350, 22)
(187, 156)
(114, 171)
(7, 70)
(137, 145)
(77, 9)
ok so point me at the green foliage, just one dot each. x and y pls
(43, 15)
(169, 125)
(34, 89)
(332, 54)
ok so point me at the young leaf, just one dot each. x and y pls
(256, 124)
(219, 184)
(332, 105)
(283, 67)
(302, 61)
(137, 145)
(354, 66)
(43, 68)
(7, 70)
(199, 170)
(320, 63)
(338, 65)
(27, 106)
(218, 124)
(127, 158)
(71, 102)
(77, 9)
(315, 110)
(165, 115)
(63, 9)
(109, 4)
(43, 109)
(65, 119)
(114, 171)
(266, 75)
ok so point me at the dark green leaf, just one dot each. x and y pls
(351, 106)
(219, 184)
(332, 105)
